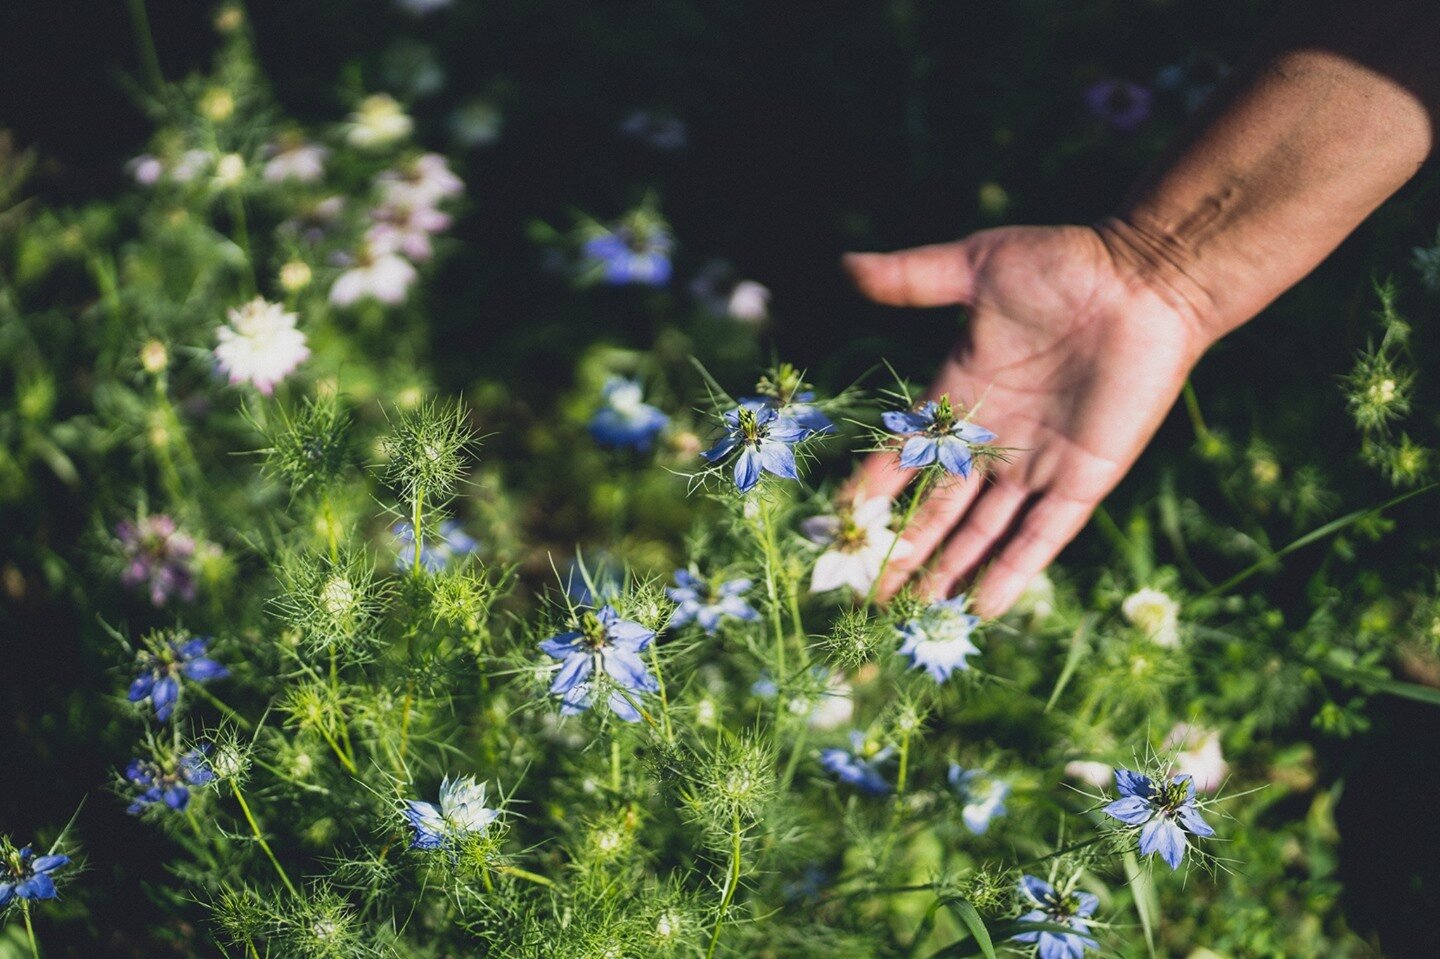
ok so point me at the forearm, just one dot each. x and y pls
(1330, 116)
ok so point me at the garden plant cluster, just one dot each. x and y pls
(368, 703)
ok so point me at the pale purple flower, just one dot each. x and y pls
(158, 557)
(1119, 104)
(296, 163)
(385, 277)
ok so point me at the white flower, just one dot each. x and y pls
(378, 276)
(406, 229)
(378, 122)
(146, 169)
(1199, 755)
(191, 164)
(300, 163)
(859, 538)
(938, 638)
(229, 170)
(462, 803)
(1090, 772)
(1038, 598)
(260, 346)
(749, 302)
(1155, 614)
(836, 707)
(425, 182)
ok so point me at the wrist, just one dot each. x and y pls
(1155, 262)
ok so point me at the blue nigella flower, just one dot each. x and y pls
(606, 642)
(1072, 909)
(161, 673)
(935, 434)
(707, 604)
(982, 797)
(24, 875)
(801, 409)
(437, 551)
(858, 766)
(624, 255)
(172, 786)
(1166, 812)
(938, 638)
(626, 421)
(764, 438)
(1119, 104)
(461, 812)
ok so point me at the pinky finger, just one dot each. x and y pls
(1048, 526)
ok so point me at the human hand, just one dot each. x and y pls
(1076, 351)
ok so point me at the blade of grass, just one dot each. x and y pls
(1078, 648)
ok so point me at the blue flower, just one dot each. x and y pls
(935, 434)
(1119, 104)
(168, 786)
(859, 766)
(982, 797)
(764, 438)
(24, 875)
(801, 409)
(625, 421)
(701, 602)
(1166, 812)
(938, 638)
(161, 673)
(606, 643)
(451, 542)
(624, 255)
(1071, 909)
(461, 812)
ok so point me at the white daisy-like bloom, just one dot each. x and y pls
(859, 538)
(406, 230)
(385, 277)
(229, 171)
(1156, 614)
(424, 182)
(749, 302)
(1200, 755)
(378, 122)
(1091, 772)
(260, 345)
(296, 163)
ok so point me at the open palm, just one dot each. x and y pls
(1074, 361)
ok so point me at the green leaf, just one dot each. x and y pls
(1078, 648)
(970, 916)
(1320, 532)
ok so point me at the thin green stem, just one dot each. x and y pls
(664, 698)
(260, 838)
(242, 237)
(732, 882)
(772, 561)
(922, 486)
(29, 929)
(615, 765)
(149, 59)
(527, 875)
(215, 701)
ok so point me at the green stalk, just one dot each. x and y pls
(260, 838)
(149, 59)
(242, 237)
(29, 929)
(922, 486)
(732, 882)
(525, 874)
(772, 558)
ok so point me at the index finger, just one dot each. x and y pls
(879, 475)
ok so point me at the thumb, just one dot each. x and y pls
(938, 275)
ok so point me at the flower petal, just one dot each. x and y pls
(918, 451)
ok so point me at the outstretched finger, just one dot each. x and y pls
(984, 526)
(932, 522)
(937, 275)
(879, 477)
(1046, 529)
